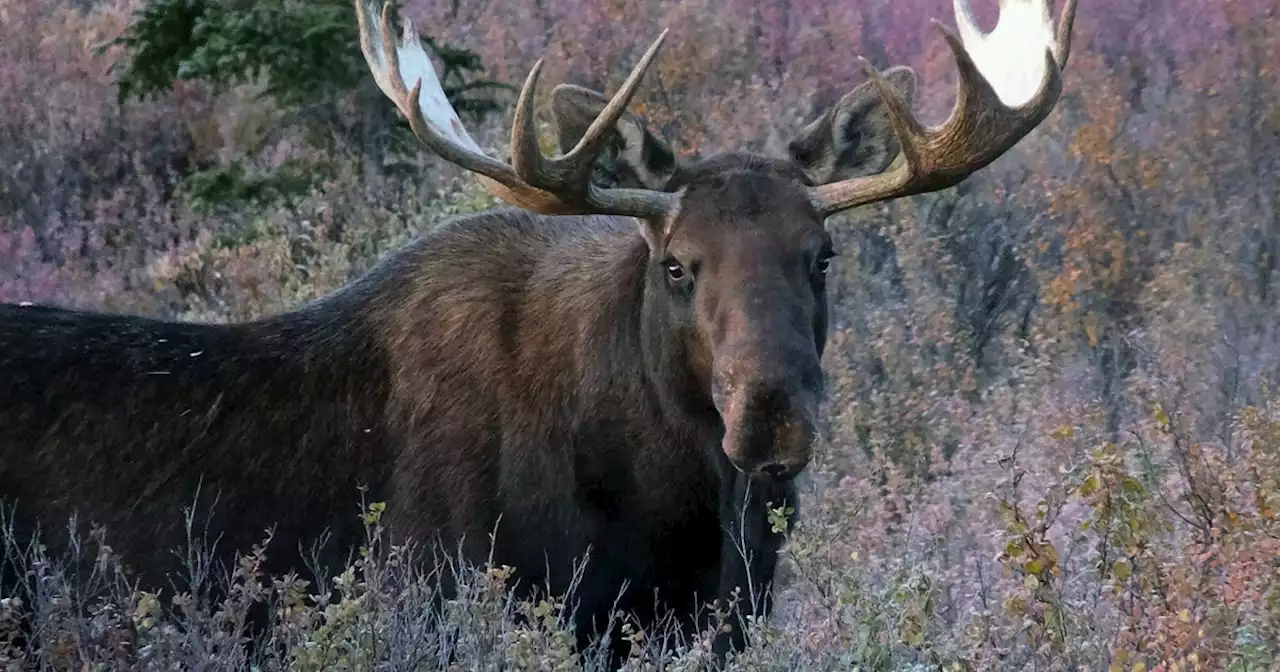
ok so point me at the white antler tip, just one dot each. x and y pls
(1012, 56)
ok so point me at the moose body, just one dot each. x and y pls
(627, 368)
(522, 401)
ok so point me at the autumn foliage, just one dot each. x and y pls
(1053, 438)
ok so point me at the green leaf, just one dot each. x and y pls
(1090, 485)
(1132, 485)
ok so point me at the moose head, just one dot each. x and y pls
(734, 297)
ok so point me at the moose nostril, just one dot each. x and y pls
(774, 469)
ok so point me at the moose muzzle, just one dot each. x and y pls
(769, 420)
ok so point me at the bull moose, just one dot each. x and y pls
(626, 363)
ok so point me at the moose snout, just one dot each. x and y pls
(769, 426)
(781, 470)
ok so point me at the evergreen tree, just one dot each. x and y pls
(307, 54)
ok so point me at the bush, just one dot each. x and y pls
(306, 56)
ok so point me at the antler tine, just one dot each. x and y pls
(574, 166)
(1005, 90)
(450, 140)
(526, 156)
(436, 124)
(1065, 22)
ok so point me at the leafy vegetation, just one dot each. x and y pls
(306, 51)
(306, 57)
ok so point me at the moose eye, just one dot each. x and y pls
(674, 270)
(823, 263)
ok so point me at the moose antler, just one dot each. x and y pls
(1010, 80)
(560, 185)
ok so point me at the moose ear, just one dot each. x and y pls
(632, 158)
(854, 137)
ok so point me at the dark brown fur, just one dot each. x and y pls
(541, 374)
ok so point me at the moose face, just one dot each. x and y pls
(738, 268)
(744, 272)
